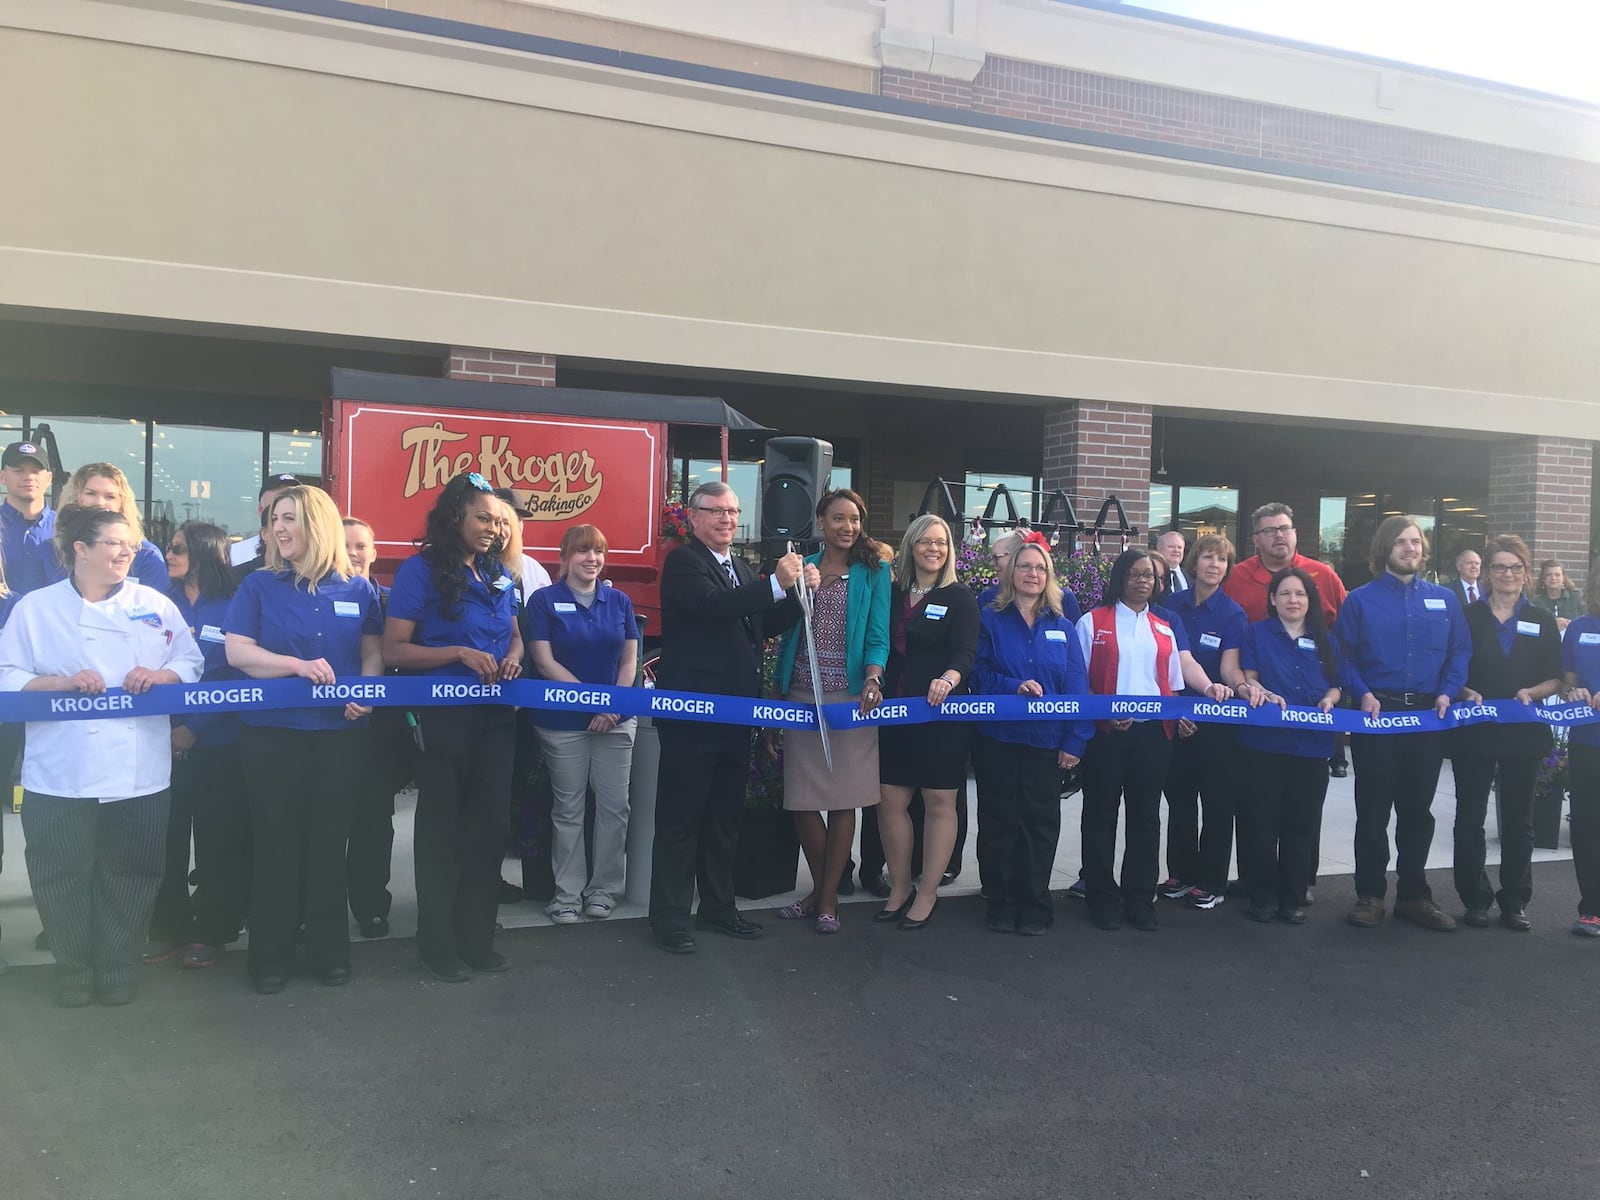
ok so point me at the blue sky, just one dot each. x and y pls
(1548, 45)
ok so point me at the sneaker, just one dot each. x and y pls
(1173, 889)
(163, 952)
(1587, 927)
(201, 955)
(597, 909)
(1200, 898)
(1368, 913)
(1426, 914)
(1078, 891)
(563, 914)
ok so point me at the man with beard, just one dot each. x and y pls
(1403, 646)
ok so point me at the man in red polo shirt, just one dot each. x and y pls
(1272, 531)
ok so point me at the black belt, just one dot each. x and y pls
(1414, 700)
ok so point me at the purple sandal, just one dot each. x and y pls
(827, 924)
(796, 912)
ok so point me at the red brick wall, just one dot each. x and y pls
(500, 366)
(1539, 488)
(1058, 96)
(1094, 449)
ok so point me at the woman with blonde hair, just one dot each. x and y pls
(103, 485)
(1028, 648)
(582, 630)
(933, 638)
(306, 614)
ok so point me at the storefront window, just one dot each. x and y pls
(744, 477)
(1330, 531)
(1207, 510)
(981, 488)
(119, 441)
(1160, 507)
(204, 474)
(296, 452)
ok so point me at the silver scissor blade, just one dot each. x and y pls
(804, 596)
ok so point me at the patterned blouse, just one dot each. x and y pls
(827, 622)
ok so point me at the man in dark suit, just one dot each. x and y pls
(1468, 586)
(716, 614)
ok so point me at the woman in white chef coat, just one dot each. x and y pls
(95, 791)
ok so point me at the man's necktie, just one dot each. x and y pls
(733, 578)
(1472, 593)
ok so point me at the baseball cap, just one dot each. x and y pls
(273, 483)
(22, 452)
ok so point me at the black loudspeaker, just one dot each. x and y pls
(795, 472)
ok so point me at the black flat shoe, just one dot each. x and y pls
(1292, 916)
(491, 963)
(1105, 919)
(270, 985)
(735, 926)
(1143, 919)
(878, 887)
(374, 927)
(894, 914)
(999, 922)
(1515, 918)
(1032, 929)
(334, 976)
(675, 941)
(847, 885)
(908, 924)
(73, 995)
(1262, 914)
(453, 971)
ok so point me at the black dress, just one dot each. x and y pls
(936, 633)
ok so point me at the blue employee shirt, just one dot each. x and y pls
(1403, 637)
(28, 551)
(150, 568)
(1292, 668)
(1211, 627)
(1009, 653)
(586, 641)
(484, 621)
(275, 610)
(206, 618)
(1580, 655)
(1069, 602)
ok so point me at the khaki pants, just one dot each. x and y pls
(578, 759)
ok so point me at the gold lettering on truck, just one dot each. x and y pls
(550, 487)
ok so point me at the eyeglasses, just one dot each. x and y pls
(1150, 575)
(479, 482)
(1030, 569)
(177, 548)
(116, 544)
(1507, 568)
(930, 544)
(1273, 530)
(717, 512)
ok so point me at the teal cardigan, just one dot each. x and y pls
(866, 628)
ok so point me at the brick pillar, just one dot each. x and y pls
(1539, 488)
(500, 366)
(1097, 448)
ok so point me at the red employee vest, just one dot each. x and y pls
(1103, 657)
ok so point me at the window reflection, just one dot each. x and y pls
(200, 473)
(115, 440)
(296, 452)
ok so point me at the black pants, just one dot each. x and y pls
(1123, 768)
(213, 778)
(872, 858)
(301, 784)
(1202, 777)
(1283, 795)
(1019, 811)
(1395, 773)
(369, 857)
(1475, 775)
(699, 795)
(463, 820)
(1583, 763)
(95, 869)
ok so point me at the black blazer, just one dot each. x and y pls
(933, 647)
(1495, 676)
(712, 633)
(1461, 594)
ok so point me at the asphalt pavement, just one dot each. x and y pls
(1217, 1058)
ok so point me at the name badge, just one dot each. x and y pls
(210, 633)
(562, 606)
(502, 583)
(1210, 641)
(1055, 635)
(1306, 644)
(145, 617)
(1436, 603)
(1589, 639)
(346, 608)
(1531, 628)
(936, 612)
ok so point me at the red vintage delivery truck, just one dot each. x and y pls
(570, 455)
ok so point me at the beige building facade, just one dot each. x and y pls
(989, 240)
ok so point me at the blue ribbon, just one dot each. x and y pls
(429, 691)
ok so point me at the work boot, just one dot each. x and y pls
(1426, 914)
(1368, 913)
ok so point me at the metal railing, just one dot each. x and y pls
(1058, 518)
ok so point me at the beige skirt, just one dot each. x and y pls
(808, 785)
